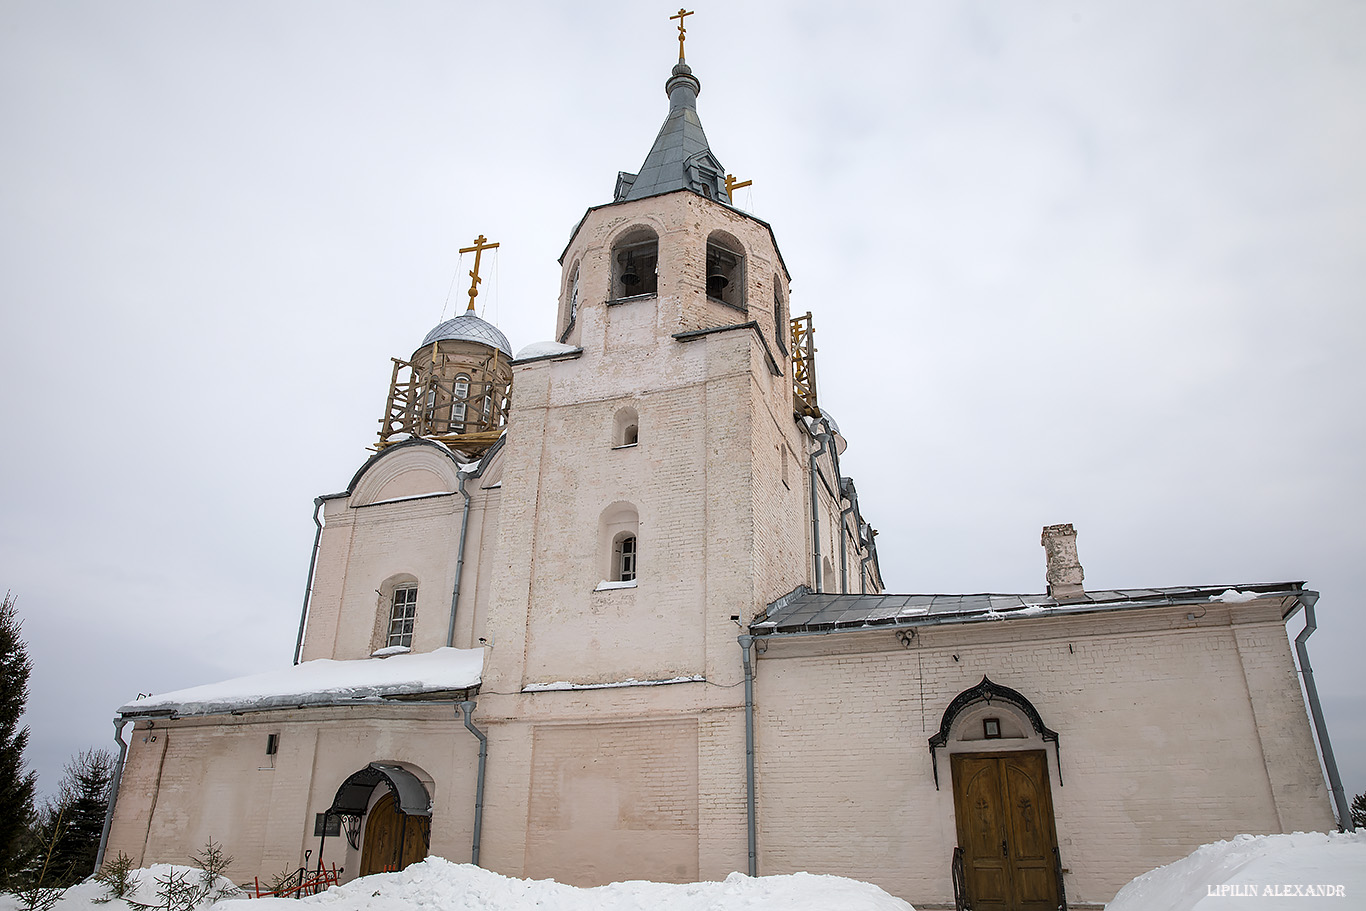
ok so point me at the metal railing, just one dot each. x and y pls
(961, 902)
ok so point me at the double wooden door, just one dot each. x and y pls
(389, 831)
(1004, 810)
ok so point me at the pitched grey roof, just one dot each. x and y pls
(803, 611)
(680, 159)
(470, 328)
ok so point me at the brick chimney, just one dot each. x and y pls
(1064, 569)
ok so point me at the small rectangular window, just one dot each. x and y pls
(272, 744)
(628, 560)
(401, 617)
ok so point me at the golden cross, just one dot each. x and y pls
(480, 245)
(732, 185)
(682, 32)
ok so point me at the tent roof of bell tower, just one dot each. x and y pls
(680, 158)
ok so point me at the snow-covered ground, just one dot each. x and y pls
(1264, 872)
(437, 883)
(89, 895)
(440, 884)
(1258, 873)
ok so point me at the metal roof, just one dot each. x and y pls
(680, 159)
(469, 328)
(804, 611)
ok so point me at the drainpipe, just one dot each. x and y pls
(844, 533)
(824, 438)
(863, 573)
(113, 790)
(459, 559)
(308, 586)
(1308, 599)
(746, 642)
(467, 707)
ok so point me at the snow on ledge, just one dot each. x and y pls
(390, 651)
(544, 349)
(323, 682)
(1233, 596)
(566, 685)
(605, 586)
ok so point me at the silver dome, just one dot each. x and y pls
(469, 328)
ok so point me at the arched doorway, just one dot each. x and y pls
(397, 826)
(393, 839)
(1002, 799)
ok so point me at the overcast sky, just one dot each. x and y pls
(1098, 263)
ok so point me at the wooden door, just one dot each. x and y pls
(386, 827)
(1004, 810)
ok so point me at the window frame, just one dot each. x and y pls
(402, 611)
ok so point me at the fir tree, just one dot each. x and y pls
(82, 799)
(16, 784)
(1358, 810)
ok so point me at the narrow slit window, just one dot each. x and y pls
(574, 296)
(461, 391)
(431, 403)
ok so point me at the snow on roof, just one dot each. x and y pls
(323, 682)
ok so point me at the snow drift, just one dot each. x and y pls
(437, 883)
(1261, 872)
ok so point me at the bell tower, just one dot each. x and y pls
(666, 415)
(659, 489)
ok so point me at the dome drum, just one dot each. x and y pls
(454, 391)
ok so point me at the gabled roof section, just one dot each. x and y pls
(803, 611)
(680, 159)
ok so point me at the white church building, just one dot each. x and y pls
(606, 608)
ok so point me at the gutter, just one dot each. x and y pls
(746, 643)
(308, 586)
(1308, 599)
(113, 791)
(467, 707)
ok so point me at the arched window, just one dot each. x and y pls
(635, 260)
(625, 428)
(618, 538)
(725, 270)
